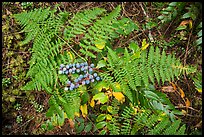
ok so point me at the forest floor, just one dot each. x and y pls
(21, 115)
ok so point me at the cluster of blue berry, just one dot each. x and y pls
(85, 71)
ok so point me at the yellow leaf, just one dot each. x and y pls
(190, 24)
(173, 85)
(188, 103)
(77, 114)
(181, 92)
(71, 56)
(184, 112)
(119, 96)
(92, 103)
(83, 109)
(199, 90)
(144, 44)
(110, 109)
(108, 117)
(100, 44)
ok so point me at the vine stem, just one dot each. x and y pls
(71, 48)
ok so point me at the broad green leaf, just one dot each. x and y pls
(88, 127)
(134, 47)
(160, 17)
(100, 44)
(50, 111)
(101, 117)
(101, 124)
(199, 33)
(101, 97)
(101, 63)
(100, 85)
(103, 108)
(50, 126)
(80, 128)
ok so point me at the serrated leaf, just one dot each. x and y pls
(83, 109)
(101, 97)
(101, 124)
(101, 63)
(119, 96)
(101, 117)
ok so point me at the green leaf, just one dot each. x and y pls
(101, 63)
(101, 97)
(160, 17)
(186, 15)
(84, 98)
(181, 27)
(100, 85)
(61, 99)
(101, 124)
(101, 117)
(88, 127)
(151, 95)
(50, 126)
(80, 128)
(134, 47)
(199, 41)
(103, 132)
(173, 4)
(200, 33)
(50, 111)
(177, 112)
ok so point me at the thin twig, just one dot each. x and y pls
(147, 19)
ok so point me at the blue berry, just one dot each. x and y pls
(77, 65)
(76, 80)
(90, 70)
(66, 88)
(73, 72)
(83, 82)
(87, 81)
(86, 67)
(61, 66)
(64, 69)
(92, 65)
(70, 70)
(68, 82)
(97, 78)
(70, 65)
(82, 69)
(86, 75)
(66, 72)
(81, 76)
(67, 66)
(91, 76)
(77, 70)
(92, 80)
(77, 85)
(60, 72)
(72, 85)
(73, 65)
(85, 63)
(95, 74)
(73, 68)
(70, 88)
